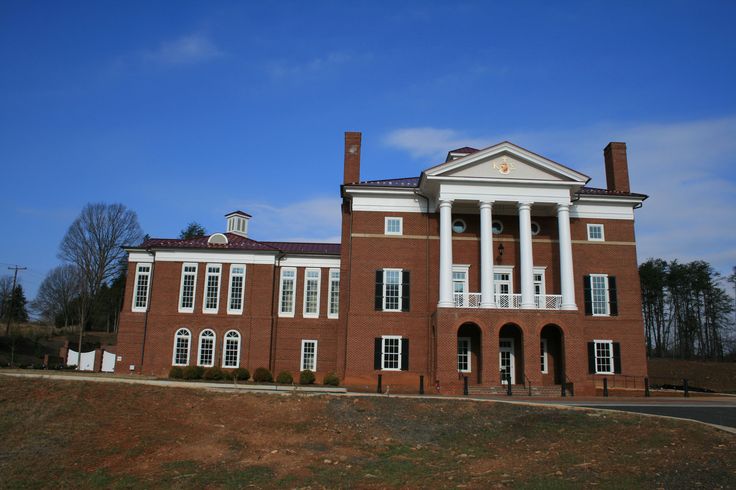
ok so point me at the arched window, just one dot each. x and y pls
(182, 341)
(206, 348)
(231, 350)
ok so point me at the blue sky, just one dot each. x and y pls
(187, 110)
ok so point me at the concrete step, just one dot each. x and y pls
(516, 390)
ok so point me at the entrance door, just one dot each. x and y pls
(502, 289)
(463, 355)
(506, 360)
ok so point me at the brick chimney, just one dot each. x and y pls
(617, 167)
(352, 157)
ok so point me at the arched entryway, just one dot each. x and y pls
(511, 354)
(551, 346)
(469, 354)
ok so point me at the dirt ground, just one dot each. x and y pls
(61, 434)
(715, 376)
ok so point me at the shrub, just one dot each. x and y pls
(306, 377)
(241, 374)
(176, 372)
(262, 375)
(331, 379)
(285, 378)
(214, 373)
(193, 372)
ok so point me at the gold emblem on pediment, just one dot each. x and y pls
(504, 166)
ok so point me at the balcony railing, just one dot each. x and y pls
(511, 301)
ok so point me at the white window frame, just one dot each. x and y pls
(603, 234)
(302, 367)
(177, 336)
(194, 286)
(386, 221)
(469, 354)
(539, 228)
(539, 298)
(385, 283)
(138, 274)
(207, 275)
(383, 352)
(592, 295)
(610, 356)
(282, 312)
(307, 271)
(504, 269)
(462, 223)
(496, 222)
(334, 304)
(233, 275)
(199, 348)
(225, 338)
(544, 359)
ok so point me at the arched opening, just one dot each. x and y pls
(551, 347)
(469, 356)
(511, 354)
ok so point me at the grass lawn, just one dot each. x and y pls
(62, 434)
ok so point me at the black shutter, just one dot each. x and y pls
(617, 358)
(612, 295)
(591, 357)
(405, 291)
(404, 354)
(377, 353)
(379, 291)
(588, 295)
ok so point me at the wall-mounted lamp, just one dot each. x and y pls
(500, 249)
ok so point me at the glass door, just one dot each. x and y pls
(506, 360)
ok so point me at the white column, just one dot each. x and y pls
(567, 283)
(446, 299)
(526, 257)
(487, 299)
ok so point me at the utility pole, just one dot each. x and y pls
(12, 296)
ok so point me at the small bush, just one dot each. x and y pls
(193, 372)
(262, 375)
(214, 374)
(176, 372)
(331, 379)
(285, 378)
(241, 374)
(306, 377)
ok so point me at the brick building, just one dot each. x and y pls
(496, 265)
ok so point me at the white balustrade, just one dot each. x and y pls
(510, 301)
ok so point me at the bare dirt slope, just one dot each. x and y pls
(60, 434)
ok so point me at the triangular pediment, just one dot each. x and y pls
(506, 161)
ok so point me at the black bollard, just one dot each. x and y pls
(508, 383)
(563, 388)
(465, 385)
(605, 386)
(421, 384)
(685, 388)
(378, 387)
(646, 387)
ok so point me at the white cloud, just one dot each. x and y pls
(190, 49)
(290, 69)
(687, 169)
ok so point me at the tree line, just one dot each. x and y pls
(687, 312)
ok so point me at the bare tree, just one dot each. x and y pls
(55, 297)
(6, 290)
(93, 243)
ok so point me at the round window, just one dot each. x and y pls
(458, 226)
(535, 228)
(497, 227)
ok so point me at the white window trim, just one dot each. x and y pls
(544, 357)
(189, 347)
(401, 225)
(400, 305)
(464, 268)
(230, 291)
(505, 269)
(500, 223)
(470, 350)
(214, 347)
(329, 293)
(194, 286)
(301, 362)
(211, 311)
(459, 221)
(608, 296)
(383, 350)
(595, 356)
(603, 233)
(319, 287)
(539, 228)
(148, 287)
(282, 313)
(224, 349)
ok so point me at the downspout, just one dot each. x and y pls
(274, 316)
(148, 307)
(430, 336)
(349, 274)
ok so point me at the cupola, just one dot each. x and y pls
(237, 222)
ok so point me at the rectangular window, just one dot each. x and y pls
(595, 233)
(391, 353)
(142, 282)
(543, 354)
(539, 291)
(603, 356)
(309, 355)
(599, 294)
(334, 306)
(237, 289)
(463, 354)
(312, 279)
(187, 288)
(394, 226)
(212, 288)
(391, 289)
(287, 291)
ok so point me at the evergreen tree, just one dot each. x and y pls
(192, 230)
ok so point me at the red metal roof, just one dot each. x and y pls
(237, 242)
(607, 192)
(465, 149)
